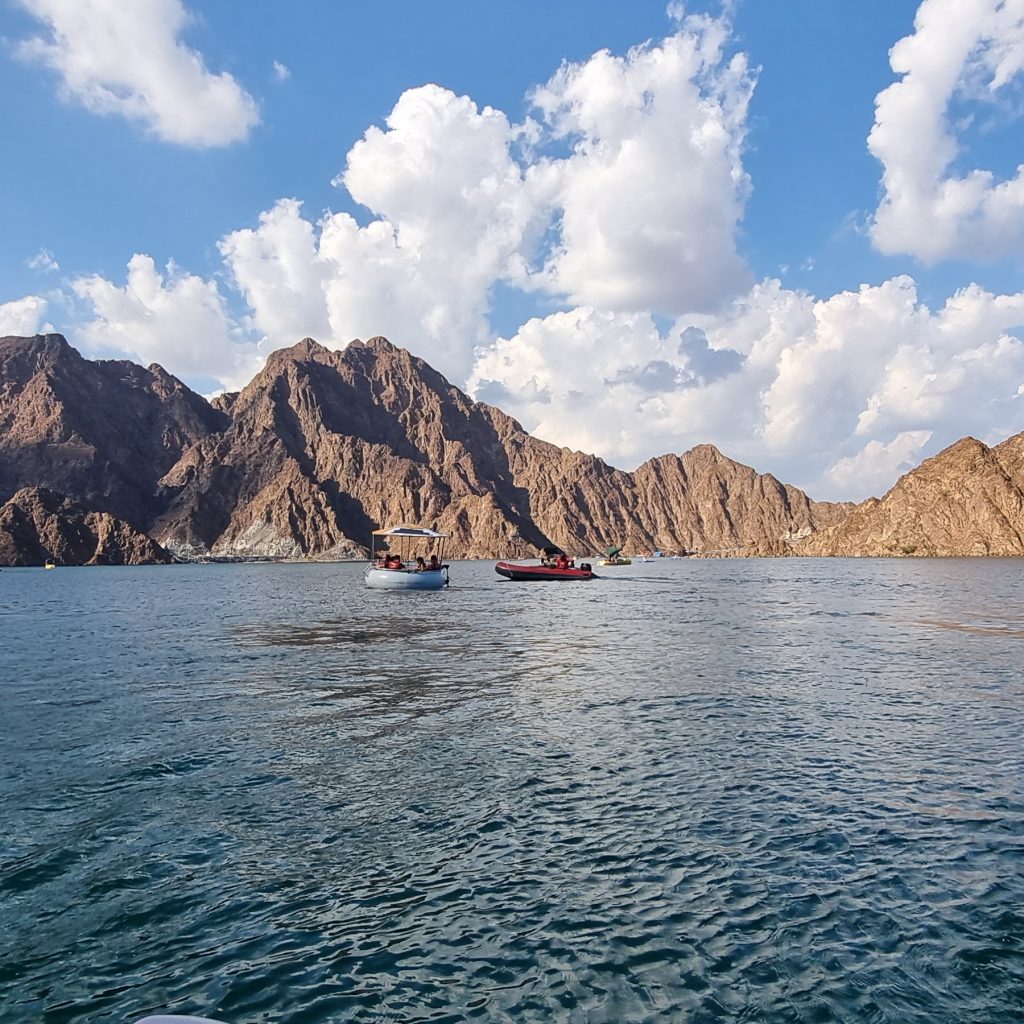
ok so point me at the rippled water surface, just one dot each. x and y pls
(691, 791)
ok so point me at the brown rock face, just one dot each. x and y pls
(103, 432)
(37, 525)
(323, 446)
(967, 500)
(703, 501)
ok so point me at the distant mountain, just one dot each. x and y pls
(324, 446)
(967, 500)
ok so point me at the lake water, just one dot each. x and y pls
(690, 791)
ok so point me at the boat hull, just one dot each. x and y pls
(539, 573)
(406, 579)
(617, 561)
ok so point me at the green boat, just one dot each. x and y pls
(612, 557)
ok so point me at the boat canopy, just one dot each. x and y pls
(612, 551)
(552, 552)
(407, 531)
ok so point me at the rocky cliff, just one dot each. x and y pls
(37, 526)
(967, 500)
(323, 446)
(102, 432)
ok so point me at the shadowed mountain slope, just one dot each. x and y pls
(37, 526)
(100, 431)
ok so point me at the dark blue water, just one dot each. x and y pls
(692, 791)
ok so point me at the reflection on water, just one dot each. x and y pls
(761, 790)
(1010, 627)
(339, 633)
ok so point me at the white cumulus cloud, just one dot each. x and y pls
(22, 317)
(960, 49)
(650, 198)
(453, 210)
(175, 319)
(817, 390)
(625, 195)
(277, 268)
(128, 59)
(874, 468)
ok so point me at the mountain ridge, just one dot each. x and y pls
(324, 445)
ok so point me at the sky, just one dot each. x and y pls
(793, 229)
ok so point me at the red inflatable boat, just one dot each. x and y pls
(547, 570)
(514, 571)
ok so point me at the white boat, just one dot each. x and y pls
(398, 569)
(163, 1018)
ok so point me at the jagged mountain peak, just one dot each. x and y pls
(378, 343)
(324, 445)
(37, 343)
(21, 357)
(306, 348)
(708, 451)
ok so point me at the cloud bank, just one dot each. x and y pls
(829, 393)
(610, 215)
(175, 318)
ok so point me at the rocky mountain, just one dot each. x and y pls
(102, 432)
(967, 500)
(323, 446)
(37, 526)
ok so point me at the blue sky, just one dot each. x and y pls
(824, 264)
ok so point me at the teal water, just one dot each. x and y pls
(690, 791)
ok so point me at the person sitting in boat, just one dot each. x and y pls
(434, 563)
(561, 562)
(394, 562)
(420, 564)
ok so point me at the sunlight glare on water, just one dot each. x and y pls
(780, 790)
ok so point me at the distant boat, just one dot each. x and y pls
(398, 570)
(651, 556)
(612, 557)
(553, 566)
(50, 564)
